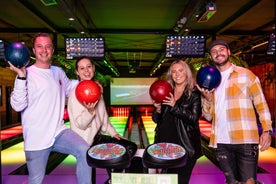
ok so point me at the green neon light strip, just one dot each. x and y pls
(149, 128)
(48, 3)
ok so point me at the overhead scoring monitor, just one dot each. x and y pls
(84, 46)
(2, 50)
(185, 46)
(271, 47)
(2, 53)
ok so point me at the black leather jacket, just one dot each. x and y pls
(186, 113)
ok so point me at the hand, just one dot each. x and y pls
(170, 100)
(21, 72)
(157, 106)
(117, 136)
(99, 85)
(90, 106)
(207, 94)
(265, 141)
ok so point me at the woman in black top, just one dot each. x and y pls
(177, 117)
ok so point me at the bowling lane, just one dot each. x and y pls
(12, 153)
(11, 133)
(204, 172)
(13, 157)
(11, 136)
(149, 127)
(119, 123)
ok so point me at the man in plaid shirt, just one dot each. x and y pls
(234, 107)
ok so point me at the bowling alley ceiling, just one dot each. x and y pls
(135, 31)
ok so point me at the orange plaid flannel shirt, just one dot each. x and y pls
(243, 93)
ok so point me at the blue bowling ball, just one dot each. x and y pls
(18, 54)
(208, 77)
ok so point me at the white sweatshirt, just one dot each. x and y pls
(41, 100)
(85, 124)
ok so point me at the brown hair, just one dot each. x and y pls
(41, 35)
(81, 58)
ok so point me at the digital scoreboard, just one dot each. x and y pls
(91, 47)
(185, 46)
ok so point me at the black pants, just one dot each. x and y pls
(184, 173)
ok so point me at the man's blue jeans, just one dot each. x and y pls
(67, 142)
(238, 161)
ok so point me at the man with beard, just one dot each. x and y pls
(234, 107)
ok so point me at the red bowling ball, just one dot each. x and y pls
(66, 115)
(88, 91)
(159, 90)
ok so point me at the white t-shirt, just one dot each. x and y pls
(220, 106)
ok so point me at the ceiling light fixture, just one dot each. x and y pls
(49, 2)
(70, 11)
(209, 11)
(132, 70)
(157, 66)
(180, 24)
(238, 53)
(258, 45)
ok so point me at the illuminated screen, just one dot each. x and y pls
(2, 50)
(131, 91)
(2, 53)
(90, 47)
(185, 46)
(271, 47)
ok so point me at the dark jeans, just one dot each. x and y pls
(238, 161)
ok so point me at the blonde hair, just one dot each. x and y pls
(189, 83)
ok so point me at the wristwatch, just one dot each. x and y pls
(21, 78)
(268, 131)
